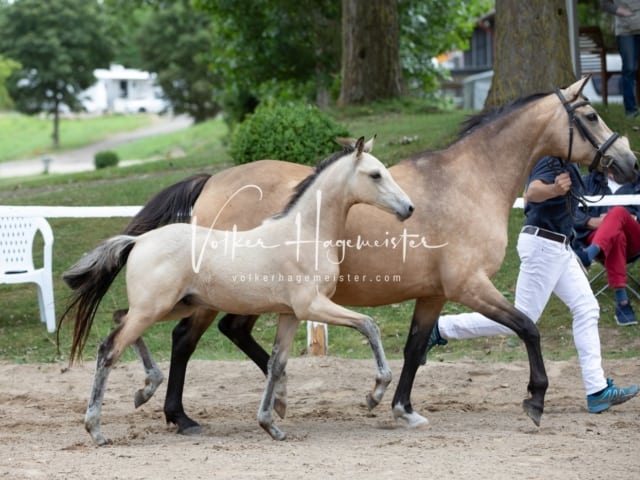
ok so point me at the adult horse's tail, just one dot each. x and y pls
(171, 205)
(90, 278)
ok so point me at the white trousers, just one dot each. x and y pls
(546, 267)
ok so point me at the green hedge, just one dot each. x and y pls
(293, 132)
(105, 159)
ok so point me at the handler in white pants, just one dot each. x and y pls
(548, 265)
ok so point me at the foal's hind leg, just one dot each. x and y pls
(287, 326)
(154, 375)
(105, 360)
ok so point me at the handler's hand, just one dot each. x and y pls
(562, 183)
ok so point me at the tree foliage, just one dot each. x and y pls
(7, 66)
(274, 49)
(175, 42)
(430, 28)
(58, 45)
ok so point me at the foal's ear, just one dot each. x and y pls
(368, 147)
(360, 147)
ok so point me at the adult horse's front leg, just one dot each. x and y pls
(425, 313)
(287, 326)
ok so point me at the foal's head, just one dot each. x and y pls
(372, 183)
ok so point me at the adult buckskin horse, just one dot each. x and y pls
(463, 196)
(178, 268)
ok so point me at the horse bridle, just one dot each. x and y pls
(600, 157)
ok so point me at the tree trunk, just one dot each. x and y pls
(370, 51)
(532, 50)
(55, 136)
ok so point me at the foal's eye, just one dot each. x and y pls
(375, 175)
(592, 117)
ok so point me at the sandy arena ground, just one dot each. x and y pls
(477, 428)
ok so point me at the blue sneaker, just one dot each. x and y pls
(625, 315)
(610, 396)
(583, 256)
(434, 339)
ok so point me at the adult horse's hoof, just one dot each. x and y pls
(185, 425)
(192, 430)
(413, 420)
(534, 413)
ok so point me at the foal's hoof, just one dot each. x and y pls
(371, 402)
(534, 413)
(140, 398)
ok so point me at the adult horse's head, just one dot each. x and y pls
(373, 184)
(590, 140)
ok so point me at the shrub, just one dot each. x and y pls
(293, 132)
(105, 159)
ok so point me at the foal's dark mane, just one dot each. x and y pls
(304, 185)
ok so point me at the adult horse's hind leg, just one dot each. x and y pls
(286, 330)
(185, 338)
(238, 329)
(153, 373)
(425, 313)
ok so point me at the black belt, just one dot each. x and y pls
(549, 235)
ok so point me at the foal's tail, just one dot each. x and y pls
(171, 205)
(90, 278)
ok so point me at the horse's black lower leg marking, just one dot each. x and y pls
(238, 329)
(183, 346)
(413, 351)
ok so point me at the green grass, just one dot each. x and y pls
(23, 137)
(24, 339)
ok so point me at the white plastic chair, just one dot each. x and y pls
(16, 260)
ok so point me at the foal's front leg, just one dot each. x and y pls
(324, 310)
(286, 330)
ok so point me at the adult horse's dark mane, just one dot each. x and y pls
(474, 122)
(304, 185)
(486, 117)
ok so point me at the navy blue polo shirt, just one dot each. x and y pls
(556, 214)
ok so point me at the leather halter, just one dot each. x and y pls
(600, 157)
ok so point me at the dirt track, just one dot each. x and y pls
(477, 427)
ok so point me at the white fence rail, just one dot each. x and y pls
(131, 210)
(317, 334)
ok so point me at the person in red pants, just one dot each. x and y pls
(612, 235)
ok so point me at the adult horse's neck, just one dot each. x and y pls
(507, 148)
